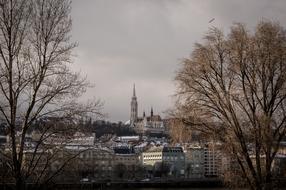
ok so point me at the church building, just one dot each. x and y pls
(152, 123)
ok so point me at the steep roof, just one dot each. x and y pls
(123, 150)
(172, 149)
(154, 118)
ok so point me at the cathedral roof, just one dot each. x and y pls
(154, 118)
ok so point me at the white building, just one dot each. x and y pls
(151, 156)
(127, 139)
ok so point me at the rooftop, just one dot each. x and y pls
(123, 150)
(172, 149)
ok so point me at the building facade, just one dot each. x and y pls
(151, 156)
(195, 162)
(174, 157)
(126, 163)
(212, 161)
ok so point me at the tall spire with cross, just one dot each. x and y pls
(134, 108)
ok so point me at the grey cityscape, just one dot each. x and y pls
(142, 94)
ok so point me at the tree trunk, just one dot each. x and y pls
(20, 184)
(268, 178)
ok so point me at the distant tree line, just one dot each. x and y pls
(101, 128)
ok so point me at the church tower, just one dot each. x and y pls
(134, 108)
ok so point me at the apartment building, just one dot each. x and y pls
(174, 157)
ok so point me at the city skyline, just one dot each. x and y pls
(171, 93)
(143, 42)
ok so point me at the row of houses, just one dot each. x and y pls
(131, 158)
(124, 163)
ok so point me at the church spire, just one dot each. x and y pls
(152, 111)
(134, 108)
(134, 93)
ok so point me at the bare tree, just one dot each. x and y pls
(233, 87)
(35, 80)
(179, 131)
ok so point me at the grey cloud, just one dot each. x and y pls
(142, 41)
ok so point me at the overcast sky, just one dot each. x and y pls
(122, 42)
